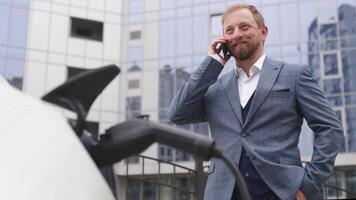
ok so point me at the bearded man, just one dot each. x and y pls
(255, 114)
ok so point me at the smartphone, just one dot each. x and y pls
(225, 50)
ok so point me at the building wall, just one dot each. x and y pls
(51, 49)
(13, 37)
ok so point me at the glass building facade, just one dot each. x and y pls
(319, 33)
(13, 38)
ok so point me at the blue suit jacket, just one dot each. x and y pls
(285, 94)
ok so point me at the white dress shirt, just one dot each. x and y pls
(247, 83)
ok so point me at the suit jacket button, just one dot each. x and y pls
(243, 134)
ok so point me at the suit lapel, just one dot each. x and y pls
(231, 89)
(268, 76)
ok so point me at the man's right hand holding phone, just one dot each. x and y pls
(218, 49)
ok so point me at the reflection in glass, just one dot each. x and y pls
(215, 25)
(184, 36)
(136, 8)
(349, 70)
(167, 38)
(334, 100)
(133, 107)
(314, 63)
(351, 128)
(330, 64)
(350, 99)
(18, 27)
(135, 58)
(4, 23)
(202, 128)
(347, 25)
(165, 153)
(149, 190)
(328, 35)
(14, 72)
(182, 77)
(332, 86)
(166, 90)
(133, 189)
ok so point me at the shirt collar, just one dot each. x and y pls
(257, 66)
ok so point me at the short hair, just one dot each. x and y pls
(256, 14)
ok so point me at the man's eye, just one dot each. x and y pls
(228, 31)
(244, 27)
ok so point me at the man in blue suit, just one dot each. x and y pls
(255, 114)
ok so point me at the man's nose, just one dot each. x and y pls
(237, 33)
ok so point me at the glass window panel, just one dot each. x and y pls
(269, 2)
(135, 6)
(166, 89)
(182, 156)
(217, 7)
(200, 36)
(4, 23)
(202, 128)
(332, 86)
(351, 127)
(328, 35)
(291, 50)
(291, 59)
(165, 153)
(184, 38)
(328, 10)
(347, 20)
(135, 58)
(133, 189)
(5, 1)
(133, 107)
(167, 14)
(349, 70)
(200, 9)
(167, 4)
(86, 29)
(14, 72)
(184, 12)
(2, 66)
(135, 18)
(273, 51)
(3, 51)
(149, 190)
(350, 99)
(198, 2)
(18, 53)
(133, 160)
(334, 101)
(182, 3)
(18, 27)
(314, 63)
(215, 25)
(184, 62)
(197, 60)
(330, 64)
(351, 182)
(23, 3)
(273, 22)
(167, 38)
(308, 23)
(289, 23)
(182, 76)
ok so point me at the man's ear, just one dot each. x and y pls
(264, 32)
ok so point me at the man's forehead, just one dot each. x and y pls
(238, 16)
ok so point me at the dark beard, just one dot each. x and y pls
(246, 53)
